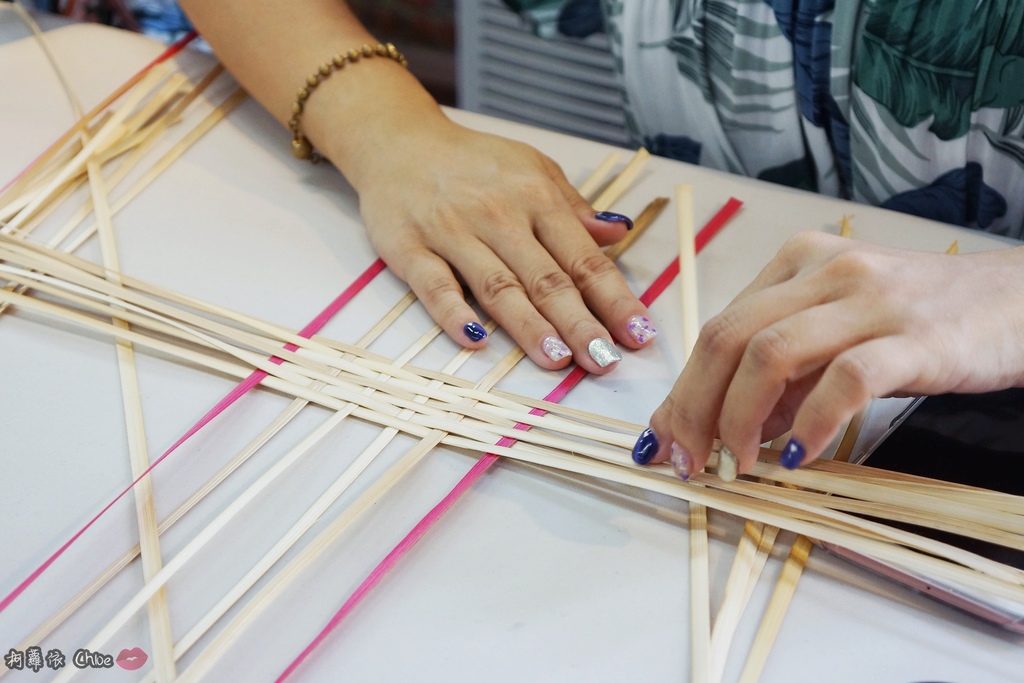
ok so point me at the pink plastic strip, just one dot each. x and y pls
(557, 394)
(248, 383)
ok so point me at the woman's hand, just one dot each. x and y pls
(828, 325)
(443, 203)
(438, 200)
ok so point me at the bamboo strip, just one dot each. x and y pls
(172, 155)
(615, 190)
(140, 147)
(687, 267)
(776, 612)
(701, 655)
(646, 217)
(45, 173)
(751, 555)
(700, 599)
(161, 638)
(29, 176)
(845, 449)
(590, 186)
(44, 45)
(102, 137)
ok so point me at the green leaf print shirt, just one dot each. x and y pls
(915, 105)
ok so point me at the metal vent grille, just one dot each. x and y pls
(562, 84)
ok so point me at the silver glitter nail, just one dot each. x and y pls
(603, 353)
(680, 460)
(555, 348)
(728, 467)
(641, 328)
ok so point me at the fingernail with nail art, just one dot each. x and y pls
(475, 331)
(603, 352)
(641, 329)
(681, 462)
(792, 455)
(646, 446)
(610, 217)
(728, 466)
(555, 348)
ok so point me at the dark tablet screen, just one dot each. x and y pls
(973, 439)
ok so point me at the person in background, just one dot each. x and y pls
(917, 105)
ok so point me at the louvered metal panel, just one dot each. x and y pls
(563, 84)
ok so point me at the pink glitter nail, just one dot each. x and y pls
(680, 460)
(641, 329)
(555, 348)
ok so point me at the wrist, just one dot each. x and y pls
(364, 115)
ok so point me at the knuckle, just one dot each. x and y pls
(853, 265)
(852, 375)
(591, 268)
(438, 288)
(800, 244)
(584, 329)
(769, 348)
(550, 285)
(720, 336)
(682, 416)
(497, 285)
(542, 190)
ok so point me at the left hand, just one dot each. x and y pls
(828, 325)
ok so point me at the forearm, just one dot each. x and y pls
(272, 46)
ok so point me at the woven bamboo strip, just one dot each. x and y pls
(324, 540)
(805, 478)
(197, 496)
(512, 364)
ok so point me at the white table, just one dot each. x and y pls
(529, 577)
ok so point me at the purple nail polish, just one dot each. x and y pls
(646, 446)
(641, 329)
(610, 217)
(792, 455)
(555, 348)
(681, 461)
(475, 331)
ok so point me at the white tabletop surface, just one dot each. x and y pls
(530, 577)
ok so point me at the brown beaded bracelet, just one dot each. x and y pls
(301, 146)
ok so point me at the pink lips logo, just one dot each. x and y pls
(132, 659)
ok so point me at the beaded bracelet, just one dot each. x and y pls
(301, 146)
